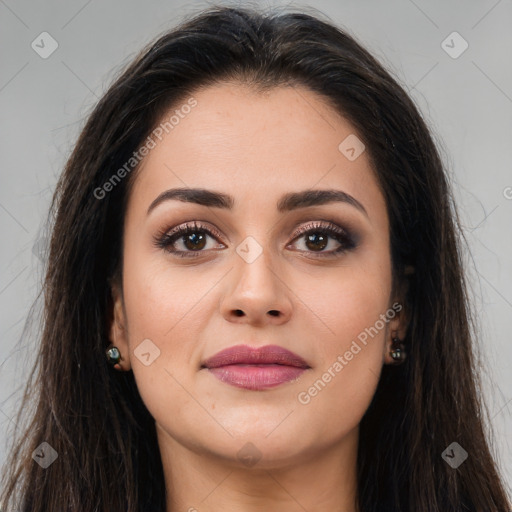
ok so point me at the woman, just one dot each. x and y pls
(256, 231)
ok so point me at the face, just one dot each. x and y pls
(265, 257)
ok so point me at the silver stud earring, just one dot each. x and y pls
(113, 356)
(397, 351)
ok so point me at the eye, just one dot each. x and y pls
(317, 236)
(192, 239)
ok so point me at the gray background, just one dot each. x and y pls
(466, 100)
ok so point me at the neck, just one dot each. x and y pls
(202, 482)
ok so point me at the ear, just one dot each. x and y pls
(118, 333)
(399, 324)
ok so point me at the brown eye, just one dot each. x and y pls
(316, 241)
(318, 236)
(194, 241)
(190, 239)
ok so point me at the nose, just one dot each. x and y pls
(257, 293)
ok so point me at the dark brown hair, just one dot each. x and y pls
(108, 457)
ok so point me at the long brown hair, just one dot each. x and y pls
(94, 418)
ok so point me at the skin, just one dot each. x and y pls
(256, 147)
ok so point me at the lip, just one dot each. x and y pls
(256, 368)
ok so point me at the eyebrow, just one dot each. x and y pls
(288, 202)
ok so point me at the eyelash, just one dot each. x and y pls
(166, 239)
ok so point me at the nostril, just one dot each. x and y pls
(273, 312)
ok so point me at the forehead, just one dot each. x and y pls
(256, 146)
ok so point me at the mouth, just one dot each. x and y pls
(256, 368)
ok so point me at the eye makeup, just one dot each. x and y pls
(194, 237)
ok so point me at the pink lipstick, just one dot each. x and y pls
(256, 368)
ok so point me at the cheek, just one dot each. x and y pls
(347, 302)
(161, 290)
(353, 308)
(162, 304)
(166, 308)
